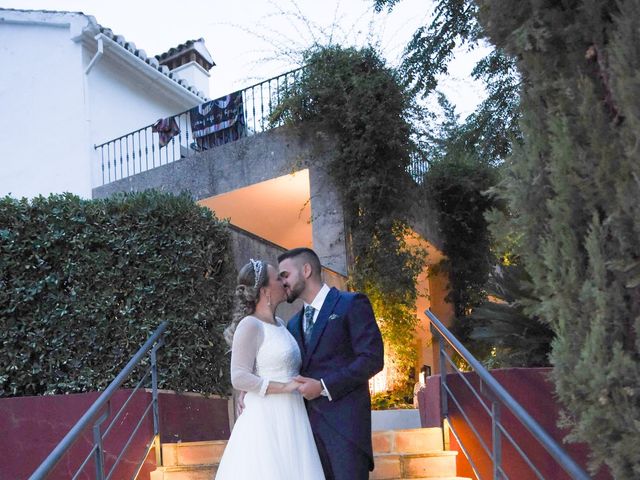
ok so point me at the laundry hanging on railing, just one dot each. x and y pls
(218, 121)
(166, 128)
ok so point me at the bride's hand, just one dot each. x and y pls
(292, 386)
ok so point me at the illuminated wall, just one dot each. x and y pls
(278, 210)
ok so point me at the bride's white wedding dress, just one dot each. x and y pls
(272, 438)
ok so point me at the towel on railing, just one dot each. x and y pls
(218, 121)
(166, 128)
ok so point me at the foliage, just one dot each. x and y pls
(455, 184)
(492, 128)
(432, 47)
(573, 191)
(455, 187)
(350, 96)
(83, 283)
(516, 339)
(484, 139)
(396, 399)
(397, 320)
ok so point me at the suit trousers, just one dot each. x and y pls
(341, 459)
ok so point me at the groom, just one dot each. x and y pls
(341, 350)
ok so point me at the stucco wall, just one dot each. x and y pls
(193, 73)
(533, 390)
(43, 131)
(33, 426)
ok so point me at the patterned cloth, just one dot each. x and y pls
(166, 128)
(308, 322)
(218, 121)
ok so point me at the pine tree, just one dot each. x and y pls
(574, 191)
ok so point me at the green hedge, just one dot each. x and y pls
(83, 283)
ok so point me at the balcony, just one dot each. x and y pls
(148, 148)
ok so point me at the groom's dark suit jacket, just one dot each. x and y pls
(345, 350)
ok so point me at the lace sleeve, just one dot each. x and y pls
(246, 342)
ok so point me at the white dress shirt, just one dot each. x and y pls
(318, 301)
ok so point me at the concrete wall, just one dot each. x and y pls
(248, 246)
(248, 161)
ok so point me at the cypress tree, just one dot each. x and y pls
(574, 189)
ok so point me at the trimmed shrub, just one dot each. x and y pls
(83, 283)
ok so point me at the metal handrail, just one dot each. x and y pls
(152, 343)
(503, 397)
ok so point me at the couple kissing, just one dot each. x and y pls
(306, 406)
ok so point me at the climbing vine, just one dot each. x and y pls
(350, 95)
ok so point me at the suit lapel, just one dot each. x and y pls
(320, 323)
(296, 330)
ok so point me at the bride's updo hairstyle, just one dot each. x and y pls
(252, 277)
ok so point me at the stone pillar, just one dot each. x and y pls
(327, 221)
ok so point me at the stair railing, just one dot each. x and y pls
(500, 398)
(100, 411)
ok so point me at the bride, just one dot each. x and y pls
(272, 438)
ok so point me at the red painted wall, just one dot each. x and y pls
(534, 391)
(191, 417)
(32, 426)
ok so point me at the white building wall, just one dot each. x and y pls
(121, 100)
(42, 127)
(52, 113)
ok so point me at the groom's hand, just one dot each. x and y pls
(310, 388)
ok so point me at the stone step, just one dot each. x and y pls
(400, 454)
(416, 440)
(192, 453)
(186, 472)
(434, 464)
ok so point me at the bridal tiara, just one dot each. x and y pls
(257, 270)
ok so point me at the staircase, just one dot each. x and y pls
(399, 454)
(412, 454)
(190, 460)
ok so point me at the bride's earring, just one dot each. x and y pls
(268, 299)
